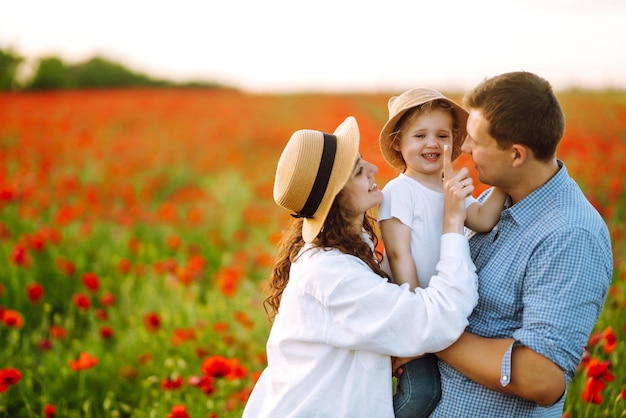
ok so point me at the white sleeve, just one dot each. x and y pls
(397, 203)
(367, 313)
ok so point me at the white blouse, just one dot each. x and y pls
(338, 324)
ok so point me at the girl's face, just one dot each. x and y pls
(361, 190)
(422, 140)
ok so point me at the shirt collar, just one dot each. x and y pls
(535, 201)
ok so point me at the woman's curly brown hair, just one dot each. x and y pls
(337, 233)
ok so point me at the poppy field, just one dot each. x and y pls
(137, 228)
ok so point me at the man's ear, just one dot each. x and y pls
(520, 153)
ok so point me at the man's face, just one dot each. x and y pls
(491, 162)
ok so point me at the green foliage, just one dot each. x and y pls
(97, 72)
(51, 73)
(9, 63)
(100, 72)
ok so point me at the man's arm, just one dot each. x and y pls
(533, 376)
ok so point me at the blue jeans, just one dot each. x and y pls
(418, 390)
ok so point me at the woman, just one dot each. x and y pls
(337, 319)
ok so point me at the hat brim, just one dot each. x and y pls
(394, 158)
(348, 138)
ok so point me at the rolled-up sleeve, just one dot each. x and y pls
(559, 331)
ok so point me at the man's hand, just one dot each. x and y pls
(397, 362)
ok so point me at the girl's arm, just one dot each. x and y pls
(482, 217)
(397, 239)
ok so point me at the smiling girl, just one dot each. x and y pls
(421, 122)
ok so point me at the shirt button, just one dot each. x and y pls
(505, 378)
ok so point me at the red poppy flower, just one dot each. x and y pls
(101, 314)
(178, 411)
(610, 340)
(91, 282)
(124, 265)
(8, 377)
(204, 383)
(19, 256)
(244, 319)
(4, 231)
(85, 361)
(165, 266)
(49, 411)
(256, 376)
(106, 332)
(201, 352)
(108, 299)
(220, 327)
(195, 266)
(173, 242)
(237, 371)
(57, 332)
(145, 358)
(134, 245)
(66, 266)
(180, 335)
(34, 292)
(228, 280)
(599, 370)
(592, 392)
(172, 384)
(128, 372)
(594, 339)
(216, 366)
(38, 241)
(12, 319)
(152, 321)
(82, 301)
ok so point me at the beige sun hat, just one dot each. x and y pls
(399, 105)
(312, 169)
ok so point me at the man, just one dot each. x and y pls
(544, 270)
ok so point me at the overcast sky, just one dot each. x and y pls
(331, 45)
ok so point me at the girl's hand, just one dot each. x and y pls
(456, 187)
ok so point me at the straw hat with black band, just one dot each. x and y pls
(399, 105)
(312, 169)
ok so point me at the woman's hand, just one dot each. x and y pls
(456, 187)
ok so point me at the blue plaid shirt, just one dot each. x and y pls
(544, 272)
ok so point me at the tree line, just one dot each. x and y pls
(98, 72)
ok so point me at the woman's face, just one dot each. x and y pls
(361, 190)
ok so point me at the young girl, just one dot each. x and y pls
(421, 122)
(337, 319)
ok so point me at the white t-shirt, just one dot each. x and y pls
(421, 209)
(338, 324)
